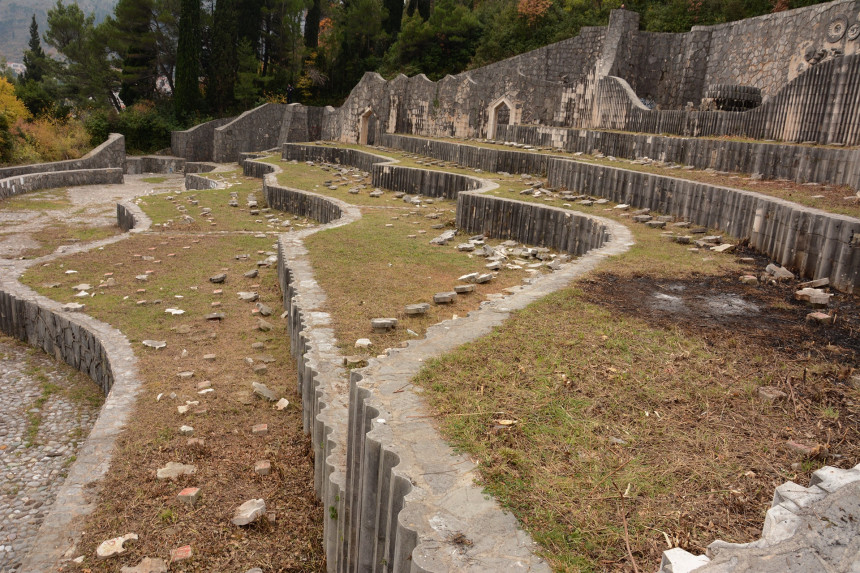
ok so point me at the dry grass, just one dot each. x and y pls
(61, 233)
(614, 395)
(131, 499)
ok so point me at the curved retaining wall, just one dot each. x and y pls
(154, 164)
(197, 143)
(51, 180)
(815, 243)
(99, 351)
(111, 153)
(393, 493)
(800, 163)
(194, 181)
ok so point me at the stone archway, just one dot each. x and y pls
(367, 125)
(501, 112)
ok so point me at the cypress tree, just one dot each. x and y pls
(34, 57)
(186, 96)
(223, 64)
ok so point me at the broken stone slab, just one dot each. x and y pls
(819, 317)
(180, 554)
(249, 512)
(724, 248)
(260, 429)
(469, 278)
(73, 306)
(174, 470)
(218, 279)
(83, 286)
(186, 430)
(264, 392)
(363, 343)
(147, 565)
(185, 374)
(263, 467)
(813, 296)
(466, 247)
(215, 316)
(444, 238)
(189, 495)
(383, 324)
(817, 283)
(642, 218)
(779, 273)
(749, 279)
(656, 224)
(248, 296)
(263, 309)
(463, 289)
(417, 309)
(174, 311)
(282, 404)
(264, 326)
(112, 547)
(494, 266)
(141, 278)
(485, 278)
(444, 297)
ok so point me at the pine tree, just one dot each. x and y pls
(186, 95)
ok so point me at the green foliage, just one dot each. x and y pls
(6, 140)
(146, 127)
(34, 58)
(444, 44)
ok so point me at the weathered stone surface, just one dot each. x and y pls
(181, 554)
(264, 391)
(778, 272)
(417, 309)
(264, 326)
(218, 279)
(249, 512)
(444, 297)
(383, 324)
(174, 470)
(363, 343)
(463, 289)
(260, 429)
(263, 467)
(813, 296)
(248, 296)
(112, 547)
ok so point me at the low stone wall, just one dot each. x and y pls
(199, 167)
(815, 243)
(529, 223)
(154, 164)
(194, 181)
(490, 160)
(353, 157)
(197, 143)
(51, 180)
(254, 130)
(801, 163)
(812, 242)
(109, 154)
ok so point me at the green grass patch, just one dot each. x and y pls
(154, 179)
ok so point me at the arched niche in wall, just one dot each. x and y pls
(368, 123)
(502, 111)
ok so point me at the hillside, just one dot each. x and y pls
(15, 21)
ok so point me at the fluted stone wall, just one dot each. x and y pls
(800, 163)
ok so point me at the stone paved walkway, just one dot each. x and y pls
(31, 473)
